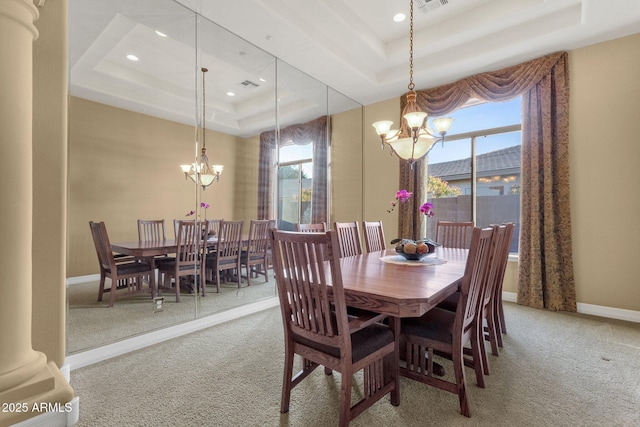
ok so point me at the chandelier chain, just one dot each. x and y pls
(204, 72)
(411, 85)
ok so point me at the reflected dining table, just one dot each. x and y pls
(150, 249)
(383, 283)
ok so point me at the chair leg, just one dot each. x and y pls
(101, 289)
(503, 326)
(461, 383)
(478, 359)
(112, 297)
(345, 399)
(492, 331)
(287, 382)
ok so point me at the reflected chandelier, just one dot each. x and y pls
(414, 139)
(201, 172)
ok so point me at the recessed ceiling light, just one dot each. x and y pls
(231, 94)
(262, 79)
(160, 33)
(399, 17)
(132, 57)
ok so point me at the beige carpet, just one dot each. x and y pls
(556, 369)
(91, 323)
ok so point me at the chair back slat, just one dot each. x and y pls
(229, 240)
(303, 285)
(475, 276)
(497, 250)
(348, 238)
(151, 230)
(374, 236)
(258, 237)
(213, 226)
(454, 234)
(102, 245)
(189, 243)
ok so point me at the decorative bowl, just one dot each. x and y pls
(412, 257)
(416, 252)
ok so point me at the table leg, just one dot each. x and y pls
(394, 324)
(152, 277)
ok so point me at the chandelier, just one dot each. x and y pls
(200, 171)
(414, 139)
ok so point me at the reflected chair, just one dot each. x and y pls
(373, 236)
(125, 274)
(151, 229)
(348, 238)
(213, 227)
(324, 335)
(320, 227)
(454, 234)
(226, 255)
(256, 252)
(189, 261)
(444, 332)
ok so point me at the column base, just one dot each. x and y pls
(47, 391)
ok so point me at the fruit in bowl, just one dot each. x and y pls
(414, 249)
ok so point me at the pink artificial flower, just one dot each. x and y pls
(204, 205)
(427, 209)
(190, 213)
(403, 195)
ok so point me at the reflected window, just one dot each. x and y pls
(295, 183)
(476, 177)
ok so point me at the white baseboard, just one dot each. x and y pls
(593, 310)
(108, 351)
(82, 279)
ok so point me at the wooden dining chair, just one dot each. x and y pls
(226, 255)
(497, 308)
(348, 238)
(255, 254)
(373, 236)
(213, 226)
(126, 274)
(443, 332)
(454, 234)
(325, 335)
(320, 227)
(151, 229)
(189, 260)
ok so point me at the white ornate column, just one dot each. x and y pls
(27, 379)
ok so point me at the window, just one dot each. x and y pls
(295, 179)
(475, 174)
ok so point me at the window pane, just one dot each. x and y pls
(498, 182)
(449, 183)
(497, 174)
(288, 190)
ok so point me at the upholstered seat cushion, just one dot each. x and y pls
(436, 324)
(131, 268)
(363, 342)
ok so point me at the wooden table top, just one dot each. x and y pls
(401, 290)
(145, 248)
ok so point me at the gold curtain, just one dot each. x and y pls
(546, 262)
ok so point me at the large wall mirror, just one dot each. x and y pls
(136, 102)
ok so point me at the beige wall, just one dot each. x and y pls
(124, 166)
(604, 160)
(346, 167)
(380, 168)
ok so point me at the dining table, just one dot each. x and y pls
(384, 282)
